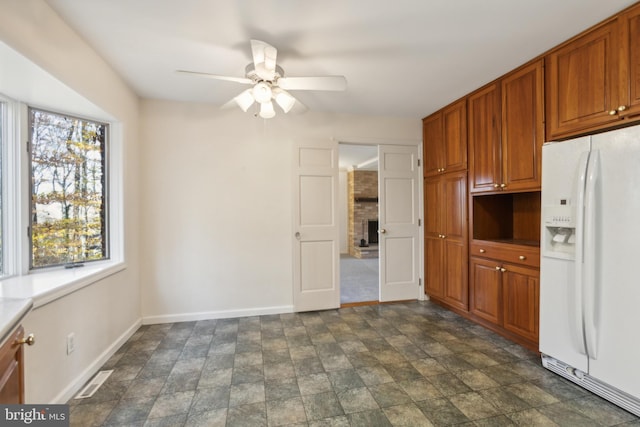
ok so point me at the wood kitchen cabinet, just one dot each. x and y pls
(630, 29)
(484, 139)
(445, 140)
(446, 247)
(522, 128)
(504, 295)
(506, 132)
(593, 81)
(12, 369)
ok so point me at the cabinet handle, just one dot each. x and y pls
(496, 185)
(482, 251)
(622, 108)
(497, 268)
(503, 270)
(503, 185)
(522, 257)
(613, 112)
(29, 340)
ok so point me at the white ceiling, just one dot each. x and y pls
(403, 58)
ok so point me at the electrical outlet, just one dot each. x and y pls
(71, 343)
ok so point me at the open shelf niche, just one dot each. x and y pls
(507, 218)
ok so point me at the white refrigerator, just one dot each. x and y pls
(590, 263)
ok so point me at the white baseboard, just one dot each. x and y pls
(75, 385)
(223, 314)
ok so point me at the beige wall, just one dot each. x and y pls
(102, 314)
(217, 197)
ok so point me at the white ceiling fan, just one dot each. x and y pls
(269, 83)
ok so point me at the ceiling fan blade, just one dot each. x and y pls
(264, 59)
(335, 83)
(242, 80)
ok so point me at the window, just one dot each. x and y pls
(68, 215)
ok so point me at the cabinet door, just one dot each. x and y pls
(454, 119)
(486, 289)
(455, 274)
(630, 83)
(11, 370)
(484, 139)
(454, 220)
(583, 82)
(521, 296)
(432, 207)
(433, 144)
(522, 128)
(454, 206)
(434, 277)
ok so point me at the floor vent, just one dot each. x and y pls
(94, 384)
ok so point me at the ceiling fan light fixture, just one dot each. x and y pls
(284, 99)
(266, 110)
(245, 100)
(262, 92)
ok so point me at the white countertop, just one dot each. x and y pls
(12, 311)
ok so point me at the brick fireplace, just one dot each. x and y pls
(363, 211)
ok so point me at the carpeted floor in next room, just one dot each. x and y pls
(358, 279)
(403, 364)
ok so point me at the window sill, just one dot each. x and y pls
(45, 287)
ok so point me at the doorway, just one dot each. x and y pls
(317, 224)
(359, 213)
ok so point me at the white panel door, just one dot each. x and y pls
(398, 178)
(315, 235)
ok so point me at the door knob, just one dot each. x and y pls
(298, 235)
(382, 231)
(29, 340)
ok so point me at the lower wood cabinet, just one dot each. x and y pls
(505, 297)
(520, 301)
(12, 369)
(445, 239)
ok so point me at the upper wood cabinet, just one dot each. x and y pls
(582, 82)
(445, 140)
(484, 139)
(630, 87)
(522, 128)
(506, 132)
(593, 81)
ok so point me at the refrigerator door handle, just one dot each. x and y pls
(590, 259)
(577, 325)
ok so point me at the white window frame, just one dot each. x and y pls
(44, 285)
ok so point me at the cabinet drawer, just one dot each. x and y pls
(507, 252)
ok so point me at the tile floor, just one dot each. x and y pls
(409, 364)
